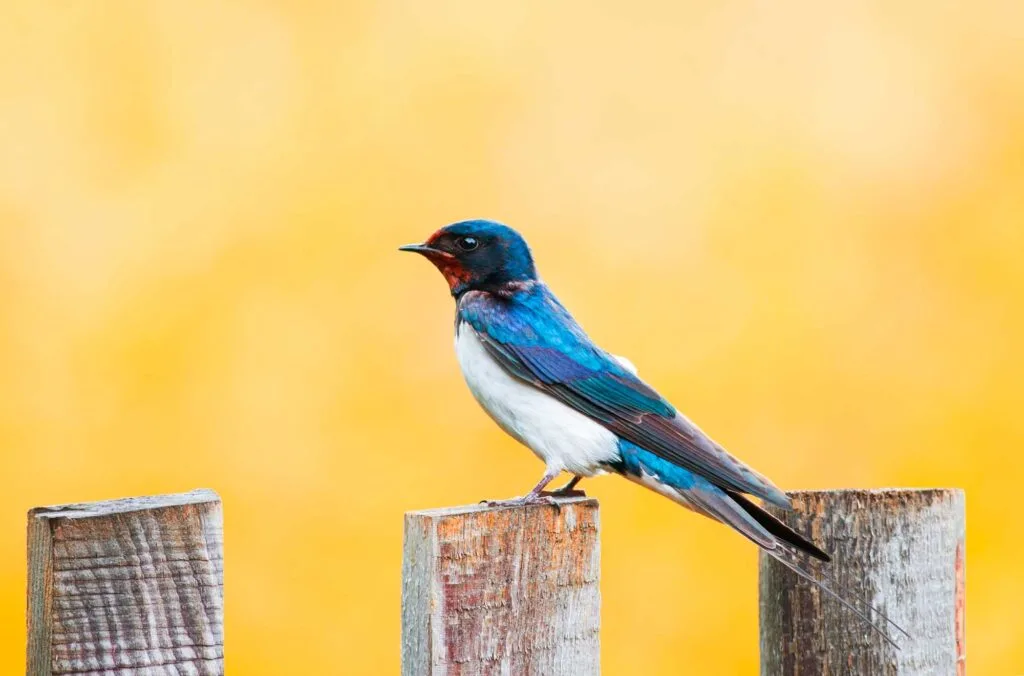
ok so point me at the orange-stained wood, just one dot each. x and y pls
(500, 590)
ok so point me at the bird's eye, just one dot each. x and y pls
(467, 243)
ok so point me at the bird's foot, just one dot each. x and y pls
(565, 493)
(539, 499)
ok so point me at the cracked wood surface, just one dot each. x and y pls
(901, 549)
(502, 590)
(132, 586)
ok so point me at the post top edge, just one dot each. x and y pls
(935, 491)
(481, 507)
(123, 505)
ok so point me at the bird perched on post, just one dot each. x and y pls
(585, 411)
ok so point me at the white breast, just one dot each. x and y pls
(560, 436)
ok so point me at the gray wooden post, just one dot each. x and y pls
(131, 586)
(502, 590)
(903, 550)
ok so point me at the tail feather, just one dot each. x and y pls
(780, 530)
(791, 549)
(862, 609)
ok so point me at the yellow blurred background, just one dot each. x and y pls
(803, 222)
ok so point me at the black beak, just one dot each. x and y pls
(417, 248)
(423, 249)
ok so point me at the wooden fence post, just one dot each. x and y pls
(132, 586)
(502, 590)
(901, 550)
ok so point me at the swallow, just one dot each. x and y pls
(585, 411)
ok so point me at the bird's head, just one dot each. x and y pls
(479, 256)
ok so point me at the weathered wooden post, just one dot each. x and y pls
(131, 586)
(903, 551)
(502, 590)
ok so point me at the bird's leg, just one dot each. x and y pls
(533, 497)
(567, 491)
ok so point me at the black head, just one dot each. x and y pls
(479, 255)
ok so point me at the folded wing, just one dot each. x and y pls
(537, 341)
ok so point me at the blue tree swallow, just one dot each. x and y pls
(585, 411)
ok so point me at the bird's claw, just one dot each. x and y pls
(562, 493)
(541, 499)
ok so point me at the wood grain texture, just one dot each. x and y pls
(500, 590)
(131, 586)
(903, 550)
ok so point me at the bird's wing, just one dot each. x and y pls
(537, 341)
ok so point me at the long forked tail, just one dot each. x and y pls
(791, 549)
(856, 604)
(797, 553)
